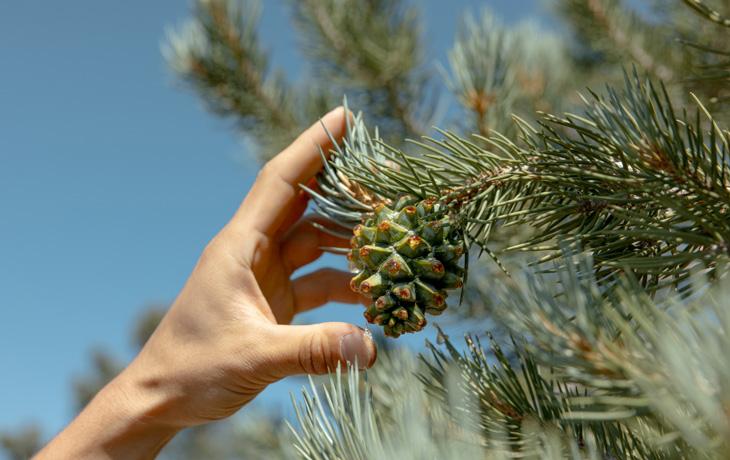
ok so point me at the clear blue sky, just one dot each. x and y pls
(112, 179)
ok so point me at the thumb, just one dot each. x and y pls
(319, 348)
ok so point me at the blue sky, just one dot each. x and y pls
(113, 178)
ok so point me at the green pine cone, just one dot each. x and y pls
(406, 257)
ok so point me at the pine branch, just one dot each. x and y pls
(483, 72)
(495, 71)
(514, 392)
(547, 76)
(374, 49)
(631, 355)
(219, 54)
(711, 69)
(644, 192)
(344, 420)
(709, 13)
(643, 189)
(615, 30)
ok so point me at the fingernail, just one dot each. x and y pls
(358, 348)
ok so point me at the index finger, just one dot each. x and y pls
(276, 195)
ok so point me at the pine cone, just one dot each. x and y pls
(406, 258)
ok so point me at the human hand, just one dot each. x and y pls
(226, 337)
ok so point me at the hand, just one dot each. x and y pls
(226, 337)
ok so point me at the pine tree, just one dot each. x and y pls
(598, 224)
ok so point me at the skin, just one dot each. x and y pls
(227, 335)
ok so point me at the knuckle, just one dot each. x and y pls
(313, 356)
(305, 357)
(209, 254)
(272, 175)
(214, 250)
(268, 171)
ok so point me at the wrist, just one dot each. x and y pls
(137, 411)
(120, 422)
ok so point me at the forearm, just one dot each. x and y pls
(119, 423)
